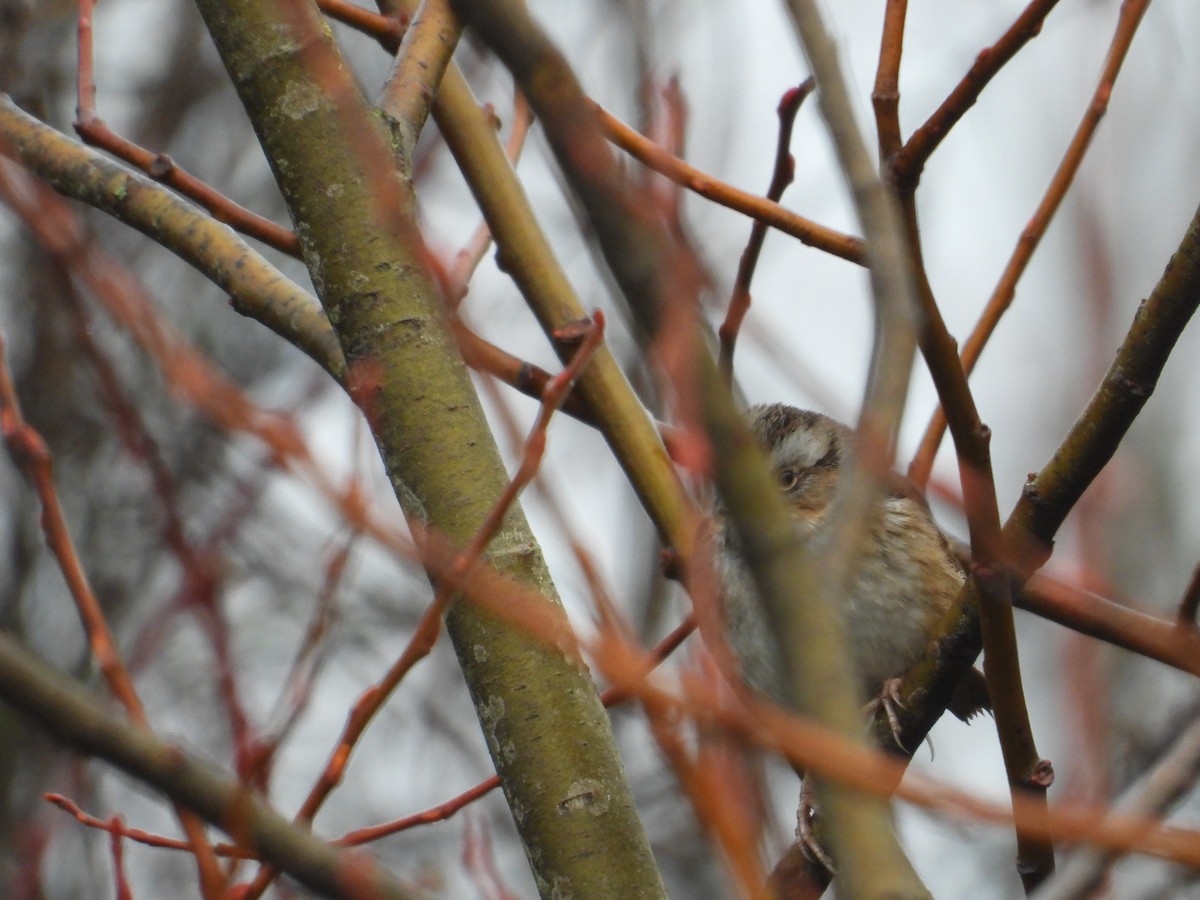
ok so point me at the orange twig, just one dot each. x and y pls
(32, 456)
(93, 130)
(805, 230)
(440, 813)
(885, 96)
(115, 826)
(909, 161)
(1005, 290)
(388, 30)
(783, 175)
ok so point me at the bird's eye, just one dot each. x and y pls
(788, 479)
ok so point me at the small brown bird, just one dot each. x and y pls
(907, 578)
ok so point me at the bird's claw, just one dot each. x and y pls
(889, 699)
(805, 838)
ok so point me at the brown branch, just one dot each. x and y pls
(988, 586)
(908, 162)
(1160, 639)
(804, 230)
(783, 175)
(32, 456)
(885, 97)
(1128, 384)
(1005, 290)
(159, 166)
(387, 29)
(1028, 534)
(1026, 770)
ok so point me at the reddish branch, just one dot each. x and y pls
(783, 175)
(804, 230)
(1005, 290)
(907, 164)
(885, 97)
(32, 456)
(388, 30)
(159, 166)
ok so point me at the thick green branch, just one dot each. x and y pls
(657, 277)
(547, 732)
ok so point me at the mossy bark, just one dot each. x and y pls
(547, 732)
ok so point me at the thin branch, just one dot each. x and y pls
(1005, 290)
(1029, 532)
(159, 166)
(1164, 640)
(804, 230)
(32, 456)
(76, 717)
(1128, 384)
(908, 163)
(387, 29)
(885, 97)
(257, 289)
(783, 174)
(1153, 794)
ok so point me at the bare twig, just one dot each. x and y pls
(783, 174)
(885, 96)
(159, 166)
(1005, 290)
(908, 162)
(1153, 794)
(387, 29)
(1124, 390)
(32, 456)
(804, 230)
(77, 718)
(1169, 642)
